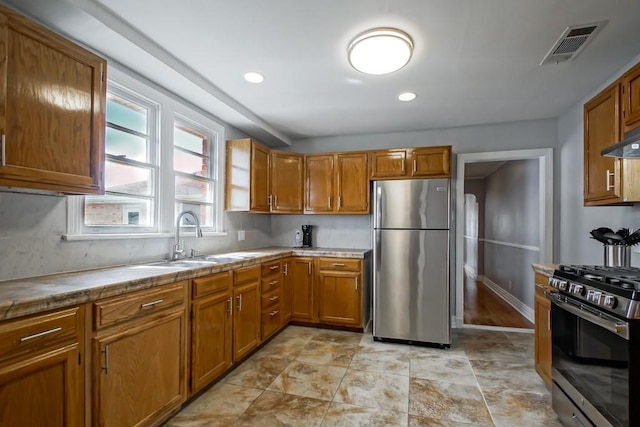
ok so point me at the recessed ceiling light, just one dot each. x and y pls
(380, 51)
(407, 96)
(253, 77)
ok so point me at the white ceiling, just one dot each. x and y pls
(475, 61)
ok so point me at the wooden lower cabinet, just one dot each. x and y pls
(139, 365)
(246, 315)
(287, 288)
(211, 338)
(303, 298)
(542, 308)
(340, 291)
(41, 370)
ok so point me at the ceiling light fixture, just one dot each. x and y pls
(380, 51)
(407, 96)
(253, 77)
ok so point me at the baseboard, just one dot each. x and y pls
(514, 302)
(499, 328)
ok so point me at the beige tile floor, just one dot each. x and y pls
(315, 377)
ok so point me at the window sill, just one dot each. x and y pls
(125, 236)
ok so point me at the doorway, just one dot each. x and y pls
(466, 211)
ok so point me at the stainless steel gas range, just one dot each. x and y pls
(595, 334)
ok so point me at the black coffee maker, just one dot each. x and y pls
(306, 236)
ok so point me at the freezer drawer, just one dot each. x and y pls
(411, 285)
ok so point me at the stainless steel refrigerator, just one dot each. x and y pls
(411, 261)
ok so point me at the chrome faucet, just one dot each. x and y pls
(178, 249)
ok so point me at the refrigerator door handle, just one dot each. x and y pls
(376, 251)
(378, 217)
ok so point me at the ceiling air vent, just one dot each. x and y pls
(571, 42)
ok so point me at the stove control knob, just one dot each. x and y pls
(562, 285)
(578, 290)
(595, 297)
(609, 301)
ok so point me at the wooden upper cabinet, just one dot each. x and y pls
(424, 162)
(607, 180)
(287, 182)
(430, 162)
(248, 176)
(52, 110)
(319, 194)
(337, 183)
(631, 98)
(388, 163)
(352, 183)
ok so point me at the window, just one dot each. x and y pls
(194, 172)
(162, 156)
(130, 167)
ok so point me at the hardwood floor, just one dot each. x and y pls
(483, 307)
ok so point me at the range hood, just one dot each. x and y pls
(628, 148)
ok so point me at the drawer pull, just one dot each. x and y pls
(239, 306)
(273, 313)
(286, 269)
(273, 282)
(230, 307)
(152, 303)
(274, 298)
(273, 267)
(356, 283)
(338, 264)
(40, 334)
(105, 368)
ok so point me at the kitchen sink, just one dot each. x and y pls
(187, 263)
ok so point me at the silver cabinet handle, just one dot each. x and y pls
(40, 334)
(4, 151)
(239, 306)
(309, 268)
(610, 175)
(329, 202)
(338, 264)
(415, 166)
(403, 164)
(105, 368)
(339, 202)
(275, 201)
(269, 199)
(152, 303)
(286, 269)
(273, 267)
(273, 313)
(273, 282)
(229, 307)
(274, 298)
(356, 283)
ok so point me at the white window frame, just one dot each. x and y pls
(170, 108)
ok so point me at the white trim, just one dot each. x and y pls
(514, 302)
(512, 245)
(78, 237)
(545, 158)
(499, 328)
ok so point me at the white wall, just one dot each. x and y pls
(574, 245)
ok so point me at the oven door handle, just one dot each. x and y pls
(618, 328)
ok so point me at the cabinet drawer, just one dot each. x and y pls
(269, 284)
(340, 264)
(210, 284)
(271, 321)
(247, 274)
(38, 332)
(270, 268)
(270, 299)
(137, 304)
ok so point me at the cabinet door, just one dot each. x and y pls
(388, 163)
(287, 282)
(287, 178)
(43, 390)
(320, 196)
(339, 295)
(246, 320)
(210, 339)
(139, 372)
(352, 183)
(260, 178)
(542, 308)
(631, 98)
(52, 97)
(431, 162)
(602, 129)
(303, 295)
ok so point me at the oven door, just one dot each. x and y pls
(590, 352)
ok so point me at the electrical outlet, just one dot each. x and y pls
(241, 234)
